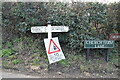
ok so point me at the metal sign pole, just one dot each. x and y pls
(87, 54)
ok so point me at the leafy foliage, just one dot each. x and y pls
(85, 20)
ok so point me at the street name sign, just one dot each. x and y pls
(44, 29)
(40, 29)
(53, 49)
(98, 44)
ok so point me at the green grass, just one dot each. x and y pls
(84, 67)
(6, 52)
(64, 63)
(13, 57)
(0, 46)
(17, 40)
(36, 62)
(114, 59)
(16, 61)
(9, 44)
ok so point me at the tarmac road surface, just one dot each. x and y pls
(14, 75)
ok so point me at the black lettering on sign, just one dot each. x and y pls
(54, 47)
(56, 54)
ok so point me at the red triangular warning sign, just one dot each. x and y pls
(53, 47)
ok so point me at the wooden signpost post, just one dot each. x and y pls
(53, 49)
(103, 44)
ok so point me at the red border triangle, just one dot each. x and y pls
(51, 41)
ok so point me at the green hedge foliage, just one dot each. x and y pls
(87, 21)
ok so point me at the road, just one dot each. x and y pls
(14, 75)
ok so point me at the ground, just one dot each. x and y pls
(94, 68)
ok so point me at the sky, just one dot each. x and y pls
(101, 1)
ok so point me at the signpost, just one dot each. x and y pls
(114, 36)
(104, 44)
(53, 49)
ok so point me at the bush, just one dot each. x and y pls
(87, 21)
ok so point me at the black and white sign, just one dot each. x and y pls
(44, 29)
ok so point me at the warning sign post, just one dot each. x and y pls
(54, 51)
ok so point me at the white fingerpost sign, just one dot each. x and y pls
(53, 49)
(44, 29)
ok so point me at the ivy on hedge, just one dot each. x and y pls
(85, 20)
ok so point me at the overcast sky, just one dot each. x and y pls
(104, 1)
(101, 1)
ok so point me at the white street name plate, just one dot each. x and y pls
(44, 29)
